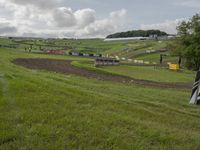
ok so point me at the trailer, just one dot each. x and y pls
(106, 62)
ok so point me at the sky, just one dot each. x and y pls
(91, 18)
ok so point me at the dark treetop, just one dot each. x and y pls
(137, 33)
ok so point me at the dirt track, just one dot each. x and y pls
(65, 67)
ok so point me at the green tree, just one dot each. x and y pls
(137, 33)
(187, 44)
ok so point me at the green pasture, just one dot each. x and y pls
(150, 73)
(156, 58)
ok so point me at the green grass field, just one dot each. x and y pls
(151, 73)
(47, 110)
(142, 72)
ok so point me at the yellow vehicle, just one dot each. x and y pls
(175, 67)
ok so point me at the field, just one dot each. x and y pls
(123, 49)
(47, 109)
(142, 72)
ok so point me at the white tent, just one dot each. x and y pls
(195, 97)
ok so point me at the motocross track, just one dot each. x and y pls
(65, 67)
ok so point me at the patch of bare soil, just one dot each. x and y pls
(65, 67)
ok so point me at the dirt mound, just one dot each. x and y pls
(65, 67)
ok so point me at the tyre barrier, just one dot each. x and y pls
(106, 62)
(84, 54)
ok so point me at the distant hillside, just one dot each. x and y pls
(137, 33)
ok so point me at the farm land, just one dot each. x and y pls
(65, 102)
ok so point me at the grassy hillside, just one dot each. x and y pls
(126, 49)
(47, 110)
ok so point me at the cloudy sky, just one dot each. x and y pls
(91, 18)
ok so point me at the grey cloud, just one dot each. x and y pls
(85, 17)
(64, 17)
(43, 4)
(188, 3)
(6, 28)
(168, 26)
(41, 34)
(100, 28)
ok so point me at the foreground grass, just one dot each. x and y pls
(42, 110)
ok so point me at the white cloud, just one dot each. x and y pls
(32, 18)
(85, 17)
(98, 28)
(168, 26)
(118, 14)
(103, 27)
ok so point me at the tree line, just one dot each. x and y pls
(137, 33)
(187, 43)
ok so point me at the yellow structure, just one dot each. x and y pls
(175, 67)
